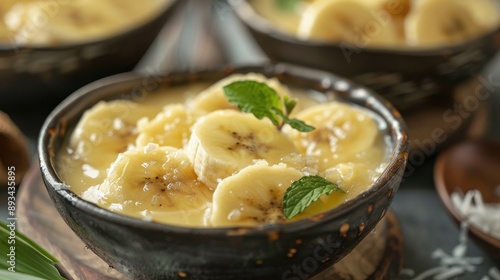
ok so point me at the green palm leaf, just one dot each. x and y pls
(31, 262)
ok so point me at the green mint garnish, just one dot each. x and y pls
(263, 102)
(254, 97)
(288, 5)
(305, 191)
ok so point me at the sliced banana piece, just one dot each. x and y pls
(352, 178)
(485, 12)
(286, 20)
(342, 131)
(214, 98)
(353, 21)
(391, 12)
(106, 130)
(224, 142)
(152, 179)
(253, 196)
(171, 127)
(21, 21)
(439, 22)
(78, 20)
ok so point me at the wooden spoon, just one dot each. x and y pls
(13, 152)
(471, 165)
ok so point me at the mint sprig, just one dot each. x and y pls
(263, 102)
(303, 192)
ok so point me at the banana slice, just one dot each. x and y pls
(224, 142)
(22, 20)
(253, 196)
(106, 130)
(171, 127)
(287, 20)
(485, 12)
(77, 21)
(342, 131)
(391, 12)
(45, 22)
(152, 179)
(436, 22)
(352, 178)
(80, 20)
(357, 22)
(54, 22)
(214, 98)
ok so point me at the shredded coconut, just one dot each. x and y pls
(150, 147)
(457, 263)
(494, 273)
(484, 216)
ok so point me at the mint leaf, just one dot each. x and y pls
(294, 123)
(288, 5)
(300, 125)
(254, 97)
(263, 102)
(305, 191)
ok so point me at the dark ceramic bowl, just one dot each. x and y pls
(30, 74)
(148, 250)
(407, 78)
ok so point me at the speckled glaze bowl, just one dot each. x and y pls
(30, 74)
(407, 78)
(148, 250)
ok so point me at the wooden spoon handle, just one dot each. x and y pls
(13, 151)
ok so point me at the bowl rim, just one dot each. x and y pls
(156, 16)
(444, 195)
(56, 119)
(247, 14)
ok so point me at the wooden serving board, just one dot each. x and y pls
(377, 257)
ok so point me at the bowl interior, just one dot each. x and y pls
(408, 77)
(42, 73)
(132, 86)
(12, 45)
(162, 250)
(246, 12)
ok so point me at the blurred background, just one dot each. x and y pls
(448, 83)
